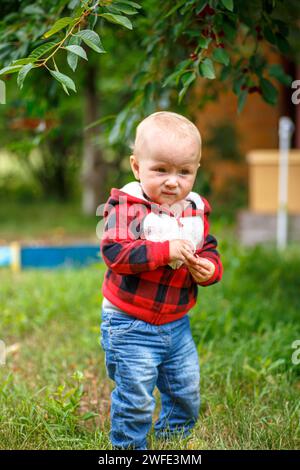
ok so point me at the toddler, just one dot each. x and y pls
(158, 250)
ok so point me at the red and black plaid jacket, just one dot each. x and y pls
(139, 280)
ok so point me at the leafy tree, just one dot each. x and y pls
(188, 40)
(217, 44)
(220, 44)
(44, 132)
(66, 137)
(42, 43)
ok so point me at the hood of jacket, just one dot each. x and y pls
(196, 205)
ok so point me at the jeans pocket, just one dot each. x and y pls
(121, 323)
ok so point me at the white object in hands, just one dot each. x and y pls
(163, 227)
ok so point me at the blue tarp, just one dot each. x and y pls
(55, 256)
(5, 256)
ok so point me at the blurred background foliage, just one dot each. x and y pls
(74, 148)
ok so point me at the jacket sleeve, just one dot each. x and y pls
(122, 250)
(209, 250)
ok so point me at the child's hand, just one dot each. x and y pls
(200, 268)
(179, 248)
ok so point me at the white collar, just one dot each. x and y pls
(135, 189)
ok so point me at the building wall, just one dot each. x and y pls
(257, 124)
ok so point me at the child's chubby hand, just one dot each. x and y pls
(200, 268)
(179, 249)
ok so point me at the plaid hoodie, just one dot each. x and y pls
(140, 279)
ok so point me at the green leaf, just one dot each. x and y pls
(133, 4)
(78, 50)
(5, 45)
(269, 92)
(207, 70)
(116, 130)
(276, 71)
(186, 80)
(220, 55)
(63, 79)
(225, 72)
(230, 31)
(238, 82)
(22, 74)
(228, 4)
(204, 42)
(250, 369)
(74, 4)
(93, 46)
(89, 415)
(242, 97)
(123, 8)
(33, 10)
(65, 89)
(91, 39)
(99, 121)
(92, 20)
(174, 77)
(117, 19)
(184, 64)
(182, 94)
(257, 63)
(59, 25)
(25, 61)
(200, 5)
(73, 54)
(10, 69)
(74, 41)
(269, 35)
(282, 44)
(276, 364)
(174, 8)
(72, 60)
(41, 50)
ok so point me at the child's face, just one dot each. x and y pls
(167, 170)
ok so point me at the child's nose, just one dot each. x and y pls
(171, 181)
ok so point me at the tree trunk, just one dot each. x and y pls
(94, 169)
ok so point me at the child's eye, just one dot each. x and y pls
(184, 172)
(160, 170)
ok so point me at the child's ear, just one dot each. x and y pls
(134, 166)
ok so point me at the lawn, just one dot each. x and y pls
(54, 392)
(45, 221)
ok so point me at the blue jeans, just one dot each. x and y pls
(140, 356)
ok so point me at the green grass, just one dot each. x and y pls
(49, 221)
(54, 392)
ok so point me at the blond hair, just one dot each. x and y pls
(173, 124)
